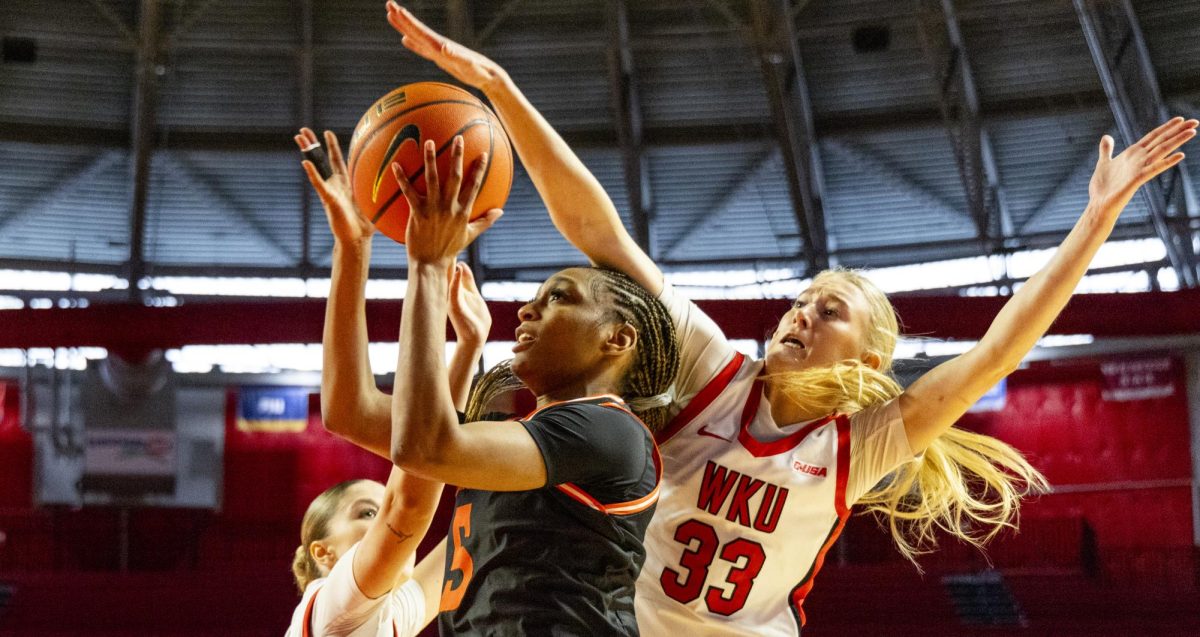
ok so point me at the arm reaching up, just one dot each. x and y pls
(352, 406)
(939, 398)
(580, 208)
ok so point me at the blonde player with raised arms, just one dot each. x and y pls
(765, 458)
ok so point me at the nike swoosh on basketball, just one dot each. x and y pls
(705, 432)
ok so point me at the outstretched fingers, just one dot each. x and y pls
(466, 198)
(455, 180)
(417, 37)
(415, 201)
(1163, 131)
(334, 151)
(433, 183)
(1168, 145)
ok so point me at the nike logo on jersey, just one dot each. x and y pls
(705, 432)
(722, 486)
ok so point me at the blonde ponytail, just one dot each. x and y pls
(304, 569)
(968, 485)
(315, 526)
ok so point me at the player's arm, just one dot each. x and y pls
(426, 437)
(580, 208)
(352, 406)
(430, 573)
(471, 320)
(386, 551)
(939, 398)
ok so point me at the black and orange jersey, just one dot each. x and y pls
(561, 559)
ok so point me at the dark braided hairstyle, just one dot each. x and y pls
(655, 362)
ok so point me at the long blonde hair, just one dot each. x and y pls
(966, 484)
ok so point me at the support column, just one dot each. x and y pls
(145, 109)
(627, 114)
(958, 100)
(791, 111)
(1130, 82)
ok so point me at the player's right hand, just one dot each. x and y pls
(346, 221)
(467, 66)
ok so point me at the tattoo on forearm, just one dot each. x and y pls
(399, 534)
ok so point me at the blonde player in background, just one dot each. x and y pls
(765, 458)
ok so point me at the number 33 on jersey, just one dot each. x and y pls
(746, 524)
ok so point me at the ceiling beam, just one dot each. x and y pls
(954, 81)
(1114, 38)
(142, 135)
(627, 115)
(791, 112)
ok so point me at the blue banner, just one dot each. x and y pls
(273, 409)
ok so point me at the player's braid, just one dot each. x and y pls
(657, 358)
(495, 382)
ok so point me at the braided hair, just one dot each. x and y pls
(649, 375)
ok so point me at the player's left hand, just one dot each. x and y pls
(439, 225)
(1116, 179)
(469, 315)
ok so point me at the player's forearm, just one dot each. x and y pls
(351, 405)
(580, 208)
(938, 399)
(423, 416)
(462, 368)
(1034, 307)
(408, 506)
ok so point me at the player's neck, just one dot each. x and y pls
(575, 391)
(785, 411)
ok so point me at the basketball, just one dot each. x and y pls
(396, 127)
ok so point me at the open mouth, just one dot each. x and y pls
(524, 341)
(792, 341)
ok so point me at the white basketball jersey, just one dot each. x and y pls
(743, 524)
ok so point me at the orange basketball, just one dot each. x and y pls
(395, 128)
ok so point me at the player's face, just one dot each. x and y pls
(827, 323)
(357, 509)
(562, 334)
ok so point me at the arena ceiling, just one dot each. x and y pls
(149, 138)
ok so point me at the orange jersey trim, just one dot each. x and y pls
(620, 508)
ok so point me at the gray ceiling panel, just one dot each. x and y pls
(229, 91)
(214, 208)
(232, 71)
(68, 85)
(64, 203)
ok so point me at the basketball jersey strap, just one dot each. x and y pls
(702, 399)
(308, 613)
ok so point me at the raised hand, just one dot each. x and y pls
(467, 66)
(346, 221)
(469, 314)
(439, 225)
(1116, 179)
